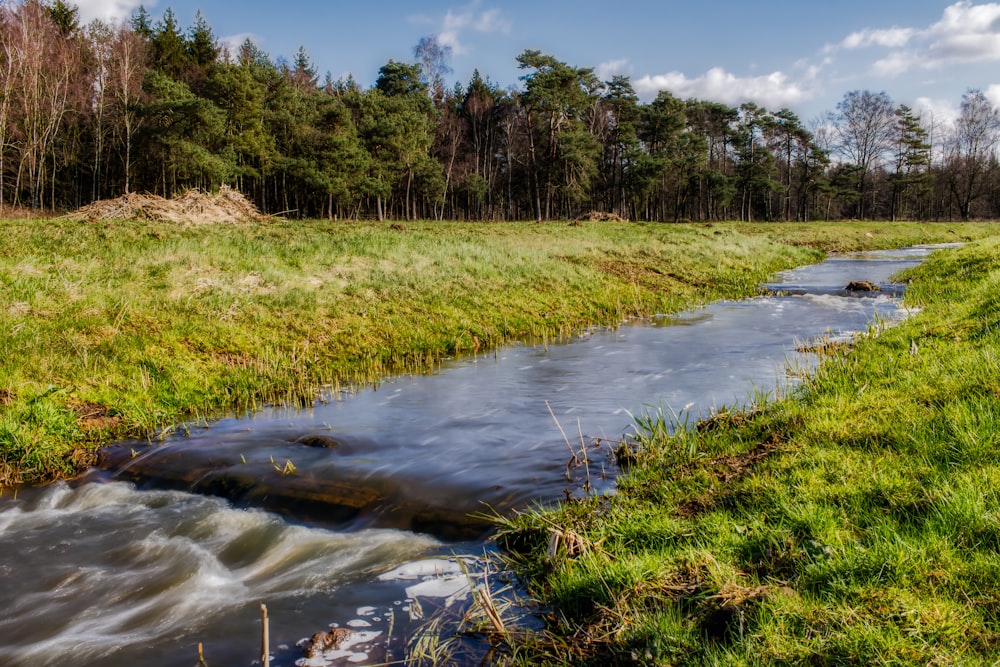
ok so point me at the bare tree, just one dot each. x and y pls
(49, 67)
(450, 130)
(433, 57)
(971, 159)
(865, 124)
(10, 74)
(126, 70)
(100, 37)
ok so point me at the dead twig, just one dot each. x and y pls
(574, 460)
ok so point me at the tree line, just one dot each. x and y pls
(96, 111)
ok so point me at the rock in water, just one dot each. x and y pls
(326, 641)
(862, 286)
(321, 441)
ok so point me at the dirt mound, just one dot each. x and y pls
(602, 216)
(194, 206)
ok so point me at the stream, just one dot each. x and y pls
(356, 513)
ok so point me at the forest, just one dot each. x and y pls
(94, 111)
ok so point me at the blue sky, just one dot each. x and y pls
(803, 55)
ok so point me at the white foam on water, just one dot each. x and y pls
(421, 569)
(104, 566)
(836, 303)
(8, 518)
(437, 578)
(451, 589)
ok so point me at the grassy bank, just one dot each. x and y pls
(855, 522)
(130, 328)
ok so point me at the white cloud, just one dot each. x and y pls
(892, 38)
(896, 63)
(966, 33)
(109, 10)
(458, 22)
(772, 90)
(451, 30)
(936, 114)
(993, 94)
(605, 71)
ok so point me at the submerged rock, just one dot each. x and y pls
(309, 490)
(862, 286)
(321, 441)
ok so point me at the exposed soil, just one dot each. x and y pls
(193, 206)
(92, 416)
(725, 470)
(726, 419)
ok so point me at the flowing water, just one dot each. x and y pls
(351, 513)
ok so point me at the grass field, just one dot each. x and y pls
(116, 329)
(854, 522)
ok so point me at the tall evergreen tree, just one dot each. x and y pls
(622, 147)
(660, 177)
(563, 154)
(911, 161)
(202, 53)
(142, 23)
(65, 17)
(185, 135)
(170, 54)
(303, 74)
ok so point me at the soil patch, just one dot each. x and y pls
(725, 470)
(726, 419)
(93, 416)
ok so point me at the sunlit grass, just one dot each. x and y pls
(854, 522)
(130, 328)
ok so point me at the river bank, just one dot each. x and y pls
(856, 521)
(131, 329)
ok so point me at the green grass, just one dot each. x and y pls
(129, 329)
(856, 521)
